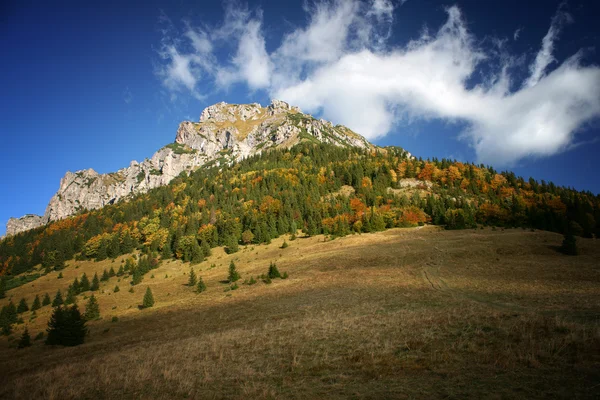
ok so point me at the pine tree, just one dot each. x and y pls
(36, 303)
(105, 276)
(71, 296)
(116, 289)
(25, 340)
(111, 273)
(121, 271)
(166, 252)
(46, 301)
(84, 284)
(66, 327)
(76, 286)
(231, 245)
(233, 274)
(201, 286)
(148, 299)
(193, 280)
(95, 283)
(137, 277)
(60, 275)
(569, 244)
(2, 287)
(273, 271)
(92, 309)
(22, 307)
(58, 300)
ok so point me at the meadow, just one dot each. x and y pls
(404, 313)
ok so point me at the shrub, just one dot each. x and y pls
(284, 245)
(148, 299)
(60, 275)
(114, 319)
(116, 289)
(66, 327)
(285, 275)
(234, 286)
(266, 279)
(233, 274)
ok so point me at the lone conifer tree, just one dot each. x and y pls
(71, 295)
(66, 327)
(569, 244)
(58, 300)
(111, 272)
(273, 271)
(84, 284)
(36, 303)
(46, 301)
(104, 276)
(148, 299)
(233, 274)
(22, 307)
(25, 340)
(193, 279)
(92, 309)
(121, 271)
(95, 283)
(201, 286)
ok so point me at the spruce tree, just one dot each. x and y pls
(148, 299)
(166, 252)
(46, 301)
(36, 303)
(111, 273)
(233, 274)
(66, 327)
(58, 300)
(95, 283)
(22, 307)
(105, 276)
(569, 244)
(116, 289)
(121, 271)
(137, 277)
(201, 286)
(193, 279)
(92, 309)
(273, 271)
(76, 286)
(84, 284)
(25, 340)
(71, 296)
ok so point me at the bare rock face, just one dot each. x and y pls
(225, 133)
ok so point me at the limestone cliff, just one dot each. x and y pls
(225, 133)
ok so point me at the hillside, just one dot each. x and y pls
(405, 313)
(225, 133)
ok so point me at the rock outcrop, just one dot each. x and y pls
(225, 133)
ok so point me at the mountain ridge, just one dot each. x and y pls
(225, 133)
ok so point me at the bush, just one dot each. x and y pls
(66, 327)
(233, 274)
(284, 245)
(114, 319)
(148, 299)
(116, 289)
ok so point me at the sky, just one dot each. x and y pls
(97, 84)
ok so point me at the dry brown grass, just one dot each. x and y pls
(406, 313)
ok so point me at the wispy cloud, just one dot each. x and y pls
(127, 95)
(342, 65)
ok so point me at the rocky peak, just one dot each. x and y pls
(225, 133)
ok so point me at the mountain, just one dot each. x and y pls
(225, 133)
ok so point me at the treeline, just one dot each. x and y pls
(305, 188)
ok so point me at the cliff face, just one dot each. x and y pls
(226, 132)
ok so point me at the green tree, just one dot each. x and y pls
(273, 271)
(247, 236)
(66, 327)
(116, 289)
(201, 286)
(2, 287)
(22, 307)
(71, 296)
(193, 279)
(121, 271)
(105, 276)
(233, 274)
(58, 300)
(84, 283)
(46, 301)
(92, 309)
(25, 340)
(148, 299)
(95, 283)
(569, 244)
(111, 273)
(36, 303)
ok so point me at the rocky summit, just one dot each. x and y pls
(225, 133)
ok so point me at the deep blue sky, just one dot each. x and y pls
(78, 87)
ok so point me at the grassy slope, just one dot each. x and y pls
(399, 314)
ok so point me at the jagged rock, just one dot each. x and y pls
(225, 133)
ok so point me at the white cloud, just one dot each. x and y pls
(341, 65)
(517, 34)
